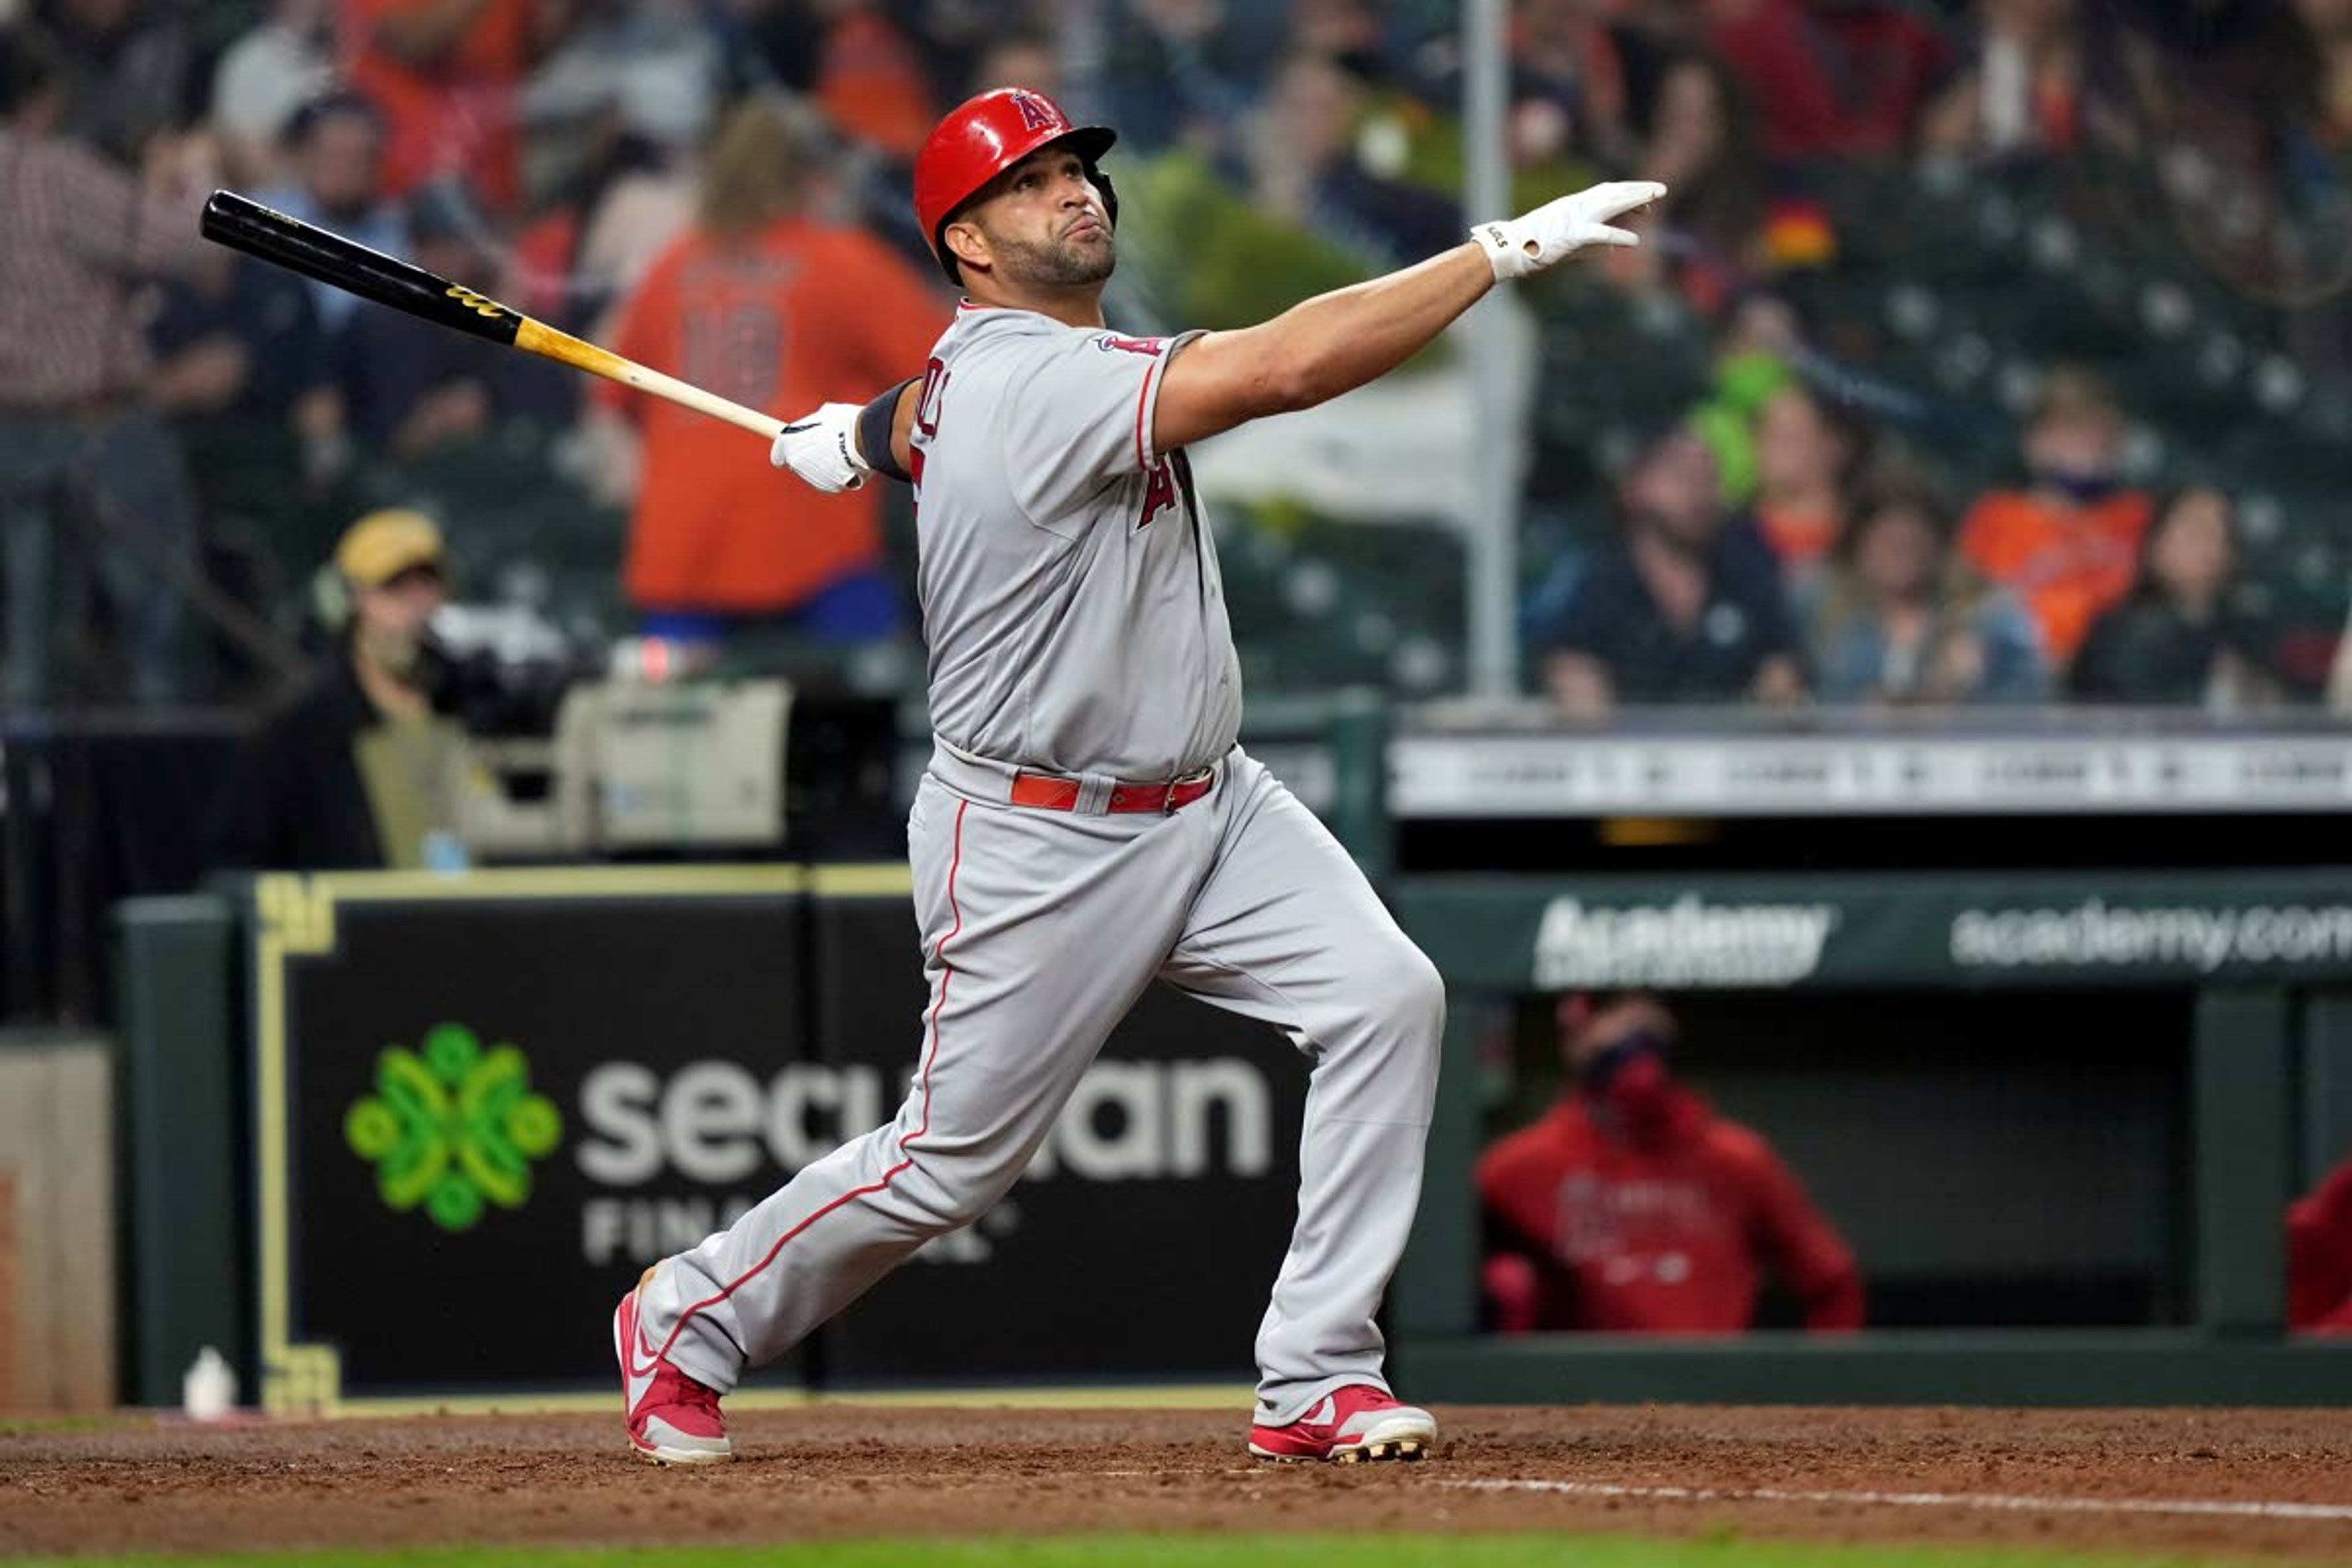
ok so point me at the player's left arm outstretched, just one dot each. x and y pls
(1310, 354)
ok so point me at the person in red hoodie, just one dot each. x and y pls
(2319, 1256)
(1630, 1208)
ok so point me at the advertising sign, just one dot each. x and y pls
(1739, 932)
(485, 1103)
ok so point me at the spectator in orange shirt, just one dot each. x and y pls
(446, 73)
(760, 303)
(1632, 1208)
(2068, 544)
(870, 80)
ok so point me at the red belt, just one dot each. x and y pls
(1050, 792)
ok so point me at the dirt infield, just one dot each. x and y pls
(2281, 1481)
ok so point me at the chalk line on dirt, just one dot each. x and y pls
(1999, 1502)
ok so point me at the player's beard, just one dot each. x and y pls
(1057, 264)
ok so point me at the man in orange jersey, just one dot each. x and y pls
(760, 303)
(446, 73)
(2068, 544)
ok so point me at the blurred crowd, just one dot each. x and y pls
(1741, 488)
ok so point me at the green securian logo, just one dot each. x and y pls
(452, 1126)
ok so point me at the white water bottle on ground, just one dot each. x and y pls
(209, 1392)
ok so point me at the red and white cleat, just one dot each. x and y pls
(1356, 1424)
(672, 1419)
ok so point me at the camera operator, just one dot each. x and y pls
(364, 766)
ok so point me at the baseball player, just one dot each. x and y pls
(1087, 824)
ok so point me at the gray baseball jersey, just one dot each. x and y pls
(1069, 582)
(1077, 626)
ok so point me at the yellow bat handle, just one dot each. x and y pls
(539, 338)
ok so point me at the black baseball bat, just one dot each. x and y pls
(243, 224)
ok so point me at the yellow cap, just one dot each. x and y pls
(383, 545)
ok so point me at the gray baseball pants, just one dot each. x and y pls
(1040, 928)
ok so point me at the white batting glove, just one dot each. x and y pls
(1559, 229)
(821, 449)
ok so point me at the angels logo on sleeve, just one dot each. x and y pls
(1149, 348)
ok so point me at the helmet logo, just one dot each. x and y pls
(1037, 114)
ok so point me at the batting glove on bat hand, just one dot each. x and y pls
(821, 449)
(1559, 229)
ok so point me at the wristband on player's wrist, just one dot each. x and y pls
(876, 422)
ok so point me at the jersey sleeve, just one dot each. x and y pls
(1081, 417)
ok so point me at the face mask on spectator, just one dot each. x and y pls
(1629, 1079)
(2083, 487)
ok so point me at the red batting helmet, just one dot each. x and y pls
(982, 139)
